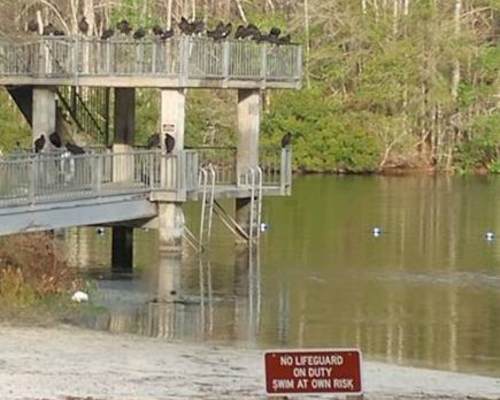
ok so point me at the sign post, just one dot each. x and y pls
(329, 371)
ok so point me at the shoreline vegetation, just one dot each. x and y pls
(36, 281)
(402, 85)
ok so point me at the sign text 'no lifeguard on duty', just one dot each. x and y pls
(313, 371)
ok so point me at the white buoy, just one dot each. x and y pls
(376, 231)
(489, 236)
(100, 231)
(263, 227)
(80, 297)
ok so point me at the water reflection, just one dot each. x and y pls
(175, 300)
(425, 293)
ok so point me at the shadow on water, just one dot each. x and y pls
(424, 293)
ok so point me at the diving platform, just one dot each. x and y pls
(183, 62)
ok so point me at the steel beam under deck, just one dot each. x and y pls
(47, 216)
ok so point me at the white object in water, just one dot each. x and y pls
(264, 227)
(377, 231)
(80, 297)
(489, 236)
(100, 231)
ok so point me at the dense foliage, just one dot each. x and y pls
(388, 83)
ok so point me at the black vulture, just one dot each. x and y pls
(55, 140)
(139, 33)
(285, 40)
(185, 27)
(108, 33)
(154, 141)
(167, 34)
(124, 27)
(40, 143)
(216, 33)
(241, 32)
(169, 143)
(198, 27)
(227, 30)
(83, 26)
(275, 31)
(74, 149)
(58, 32)
(286, 140)
(157, 31)
(48, 30)
(33, 26)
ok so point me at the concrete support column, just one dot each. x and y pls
(249, 114)
(171, 215)
(173, 111)
(123, 249)
(44, 112)
(171, 223)
(124, 120)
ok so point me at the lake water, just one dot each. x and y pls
(425, 293)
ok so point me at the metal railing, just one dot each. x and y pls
(59, 177)
(183, 58)
(28, 179)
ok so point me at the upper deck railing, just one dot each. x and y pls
(180, 62)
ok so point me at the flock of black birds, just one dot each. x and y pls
(154, 142)
(56, 141)
(197, 28)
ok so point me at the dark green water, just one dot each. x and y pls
(424, 293)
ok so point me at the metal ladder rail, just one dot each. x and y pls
(256, 194)
(203, 181)
(207, 183)
(259, 175)
(251, 227)
(211, 200)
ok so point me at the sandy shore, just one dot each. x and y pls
(67, 363)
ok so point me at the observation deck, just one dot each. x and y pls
(184, 62)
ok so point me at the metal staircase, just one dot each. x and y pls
(89, 108)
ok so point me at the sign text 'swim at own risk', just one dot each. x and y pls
(313, 371)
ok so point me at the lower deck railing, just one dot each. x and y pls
(28, 179)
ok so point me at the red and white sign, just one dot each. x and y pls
(313, 371)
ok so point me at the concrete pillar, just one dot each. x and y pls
(44, 111)
(124, 120)
(173, 111)
(171, 223)
(249, 114)
(171, 215)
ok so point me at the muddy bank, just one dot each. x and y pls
(66, 362)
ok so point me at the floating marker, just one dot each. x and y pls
(100, 231)
(377, 231)
(263, 227)
(489, 236)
